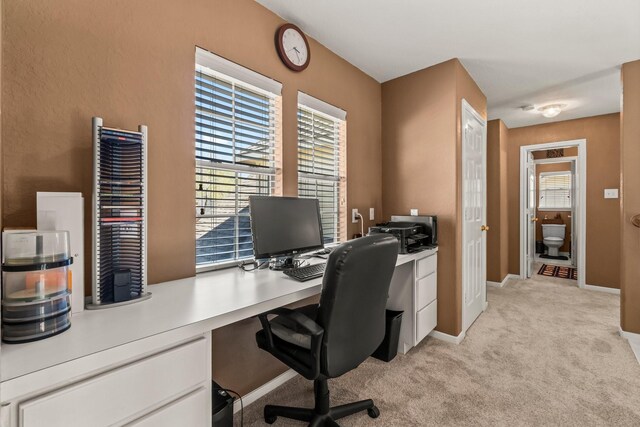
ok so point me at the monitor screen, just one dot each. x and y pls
(284, 225)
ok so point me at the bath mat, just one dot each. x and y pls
(559, 257)
(557, 271)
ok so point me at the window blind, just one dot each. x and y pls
(236, 139)
(321, 159)
(555, 191)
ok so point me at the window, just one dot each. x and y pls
(237, 155)
(555, 191)
(321, 162)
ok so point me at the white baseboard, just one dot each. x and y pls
(633, 340)
(264, 389)
(447, 338)
(631, 336)
(602, 289)
(504, 281)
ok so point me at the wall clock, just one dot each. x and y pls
(292, 47)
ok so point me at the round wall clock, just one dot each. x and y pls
(292, 47)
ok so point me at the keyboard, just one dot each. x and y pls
(302, 274)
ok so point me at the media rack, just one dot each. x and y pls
(119, 216)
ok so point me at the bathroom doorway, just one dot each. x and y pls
(552, 210)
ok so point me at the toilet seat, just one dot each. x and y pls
(553, 239)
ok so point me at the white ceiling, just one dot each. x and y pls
(519, 52)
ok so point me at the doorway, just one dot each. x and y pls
(474, 215)
(553, 204)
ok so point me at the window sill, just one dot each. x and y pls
(222, 265)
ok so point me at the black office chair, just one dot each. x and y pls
(327, 340)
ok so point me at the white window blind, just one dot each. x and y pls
(237, 155)
(321, 168)
(555, 190)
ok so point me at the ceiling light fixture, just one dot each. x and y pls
(551, 110)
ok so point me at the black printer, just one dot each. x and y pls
(414, 233)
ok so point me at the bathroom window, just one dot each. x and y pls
(555, 191)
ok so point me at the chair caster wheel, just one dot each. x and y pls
(269, 418)
(373, 412)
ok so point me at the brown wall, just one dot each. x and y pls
(421, 141)
(630, 203)
(132, 62)
(497, 216)
(419, 148)
(603, 171)
(565, 215)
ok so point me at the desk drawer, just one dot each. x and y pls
(426, 266)
(426, 289)
(115, 395)
(191, 410)
(426, 320)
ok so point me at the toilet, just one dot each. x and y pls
(553, 237)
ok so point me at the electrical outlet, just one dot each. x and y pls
(354, 215)
(610, 193)
(414, 212)
(372, 214)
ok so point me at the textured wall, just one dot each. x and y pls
(497, 218)
(630, 206)
(603, 171)
(421, 141)
(132, 62)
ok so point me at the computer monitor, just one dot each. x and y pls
(284, 226)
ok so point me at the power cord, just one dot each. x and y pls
(255, 265)
(241, 403)
(361, 224)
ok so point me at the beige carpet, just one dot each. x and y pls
(544, 353)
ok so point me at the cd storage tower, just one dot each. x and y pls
(119, 216)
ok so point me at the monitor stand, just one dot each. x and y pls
(286, 263)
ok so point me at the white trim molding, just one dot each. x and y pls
(615, 291)
(448, 338)
(504, 281)
(230, 69)
(579, 203)
(264, 389)
(320, 106)
(633, 340)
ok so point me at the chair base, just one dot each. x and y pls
(322, 414)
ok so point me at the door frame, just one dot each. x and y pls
(573, 161)
(580, 211)
(467, 109)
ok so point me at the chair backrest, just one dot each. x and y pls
(353, 301)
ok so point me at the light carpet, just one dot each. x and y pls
(543, 353)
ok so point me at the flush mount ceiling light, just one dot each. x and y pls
(551, 110)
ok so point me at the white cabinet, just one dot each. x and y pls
(186, 411)
(414, 291)
(426, 321)
(152, 389)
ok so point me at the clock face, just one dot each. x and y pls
(292, 47)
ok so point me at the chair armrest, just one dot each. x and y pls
(314, 330)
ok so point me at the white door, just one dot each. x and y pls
(474, 242)
(530, 214)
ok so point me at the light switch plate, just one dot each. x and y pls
(414, 212)
(372, 214)
(610, 193)
(354, 216)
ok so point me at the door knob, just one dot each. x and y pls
(484, 228)
(535, 219)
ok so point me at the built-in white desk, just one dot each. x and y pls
(150, 363)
